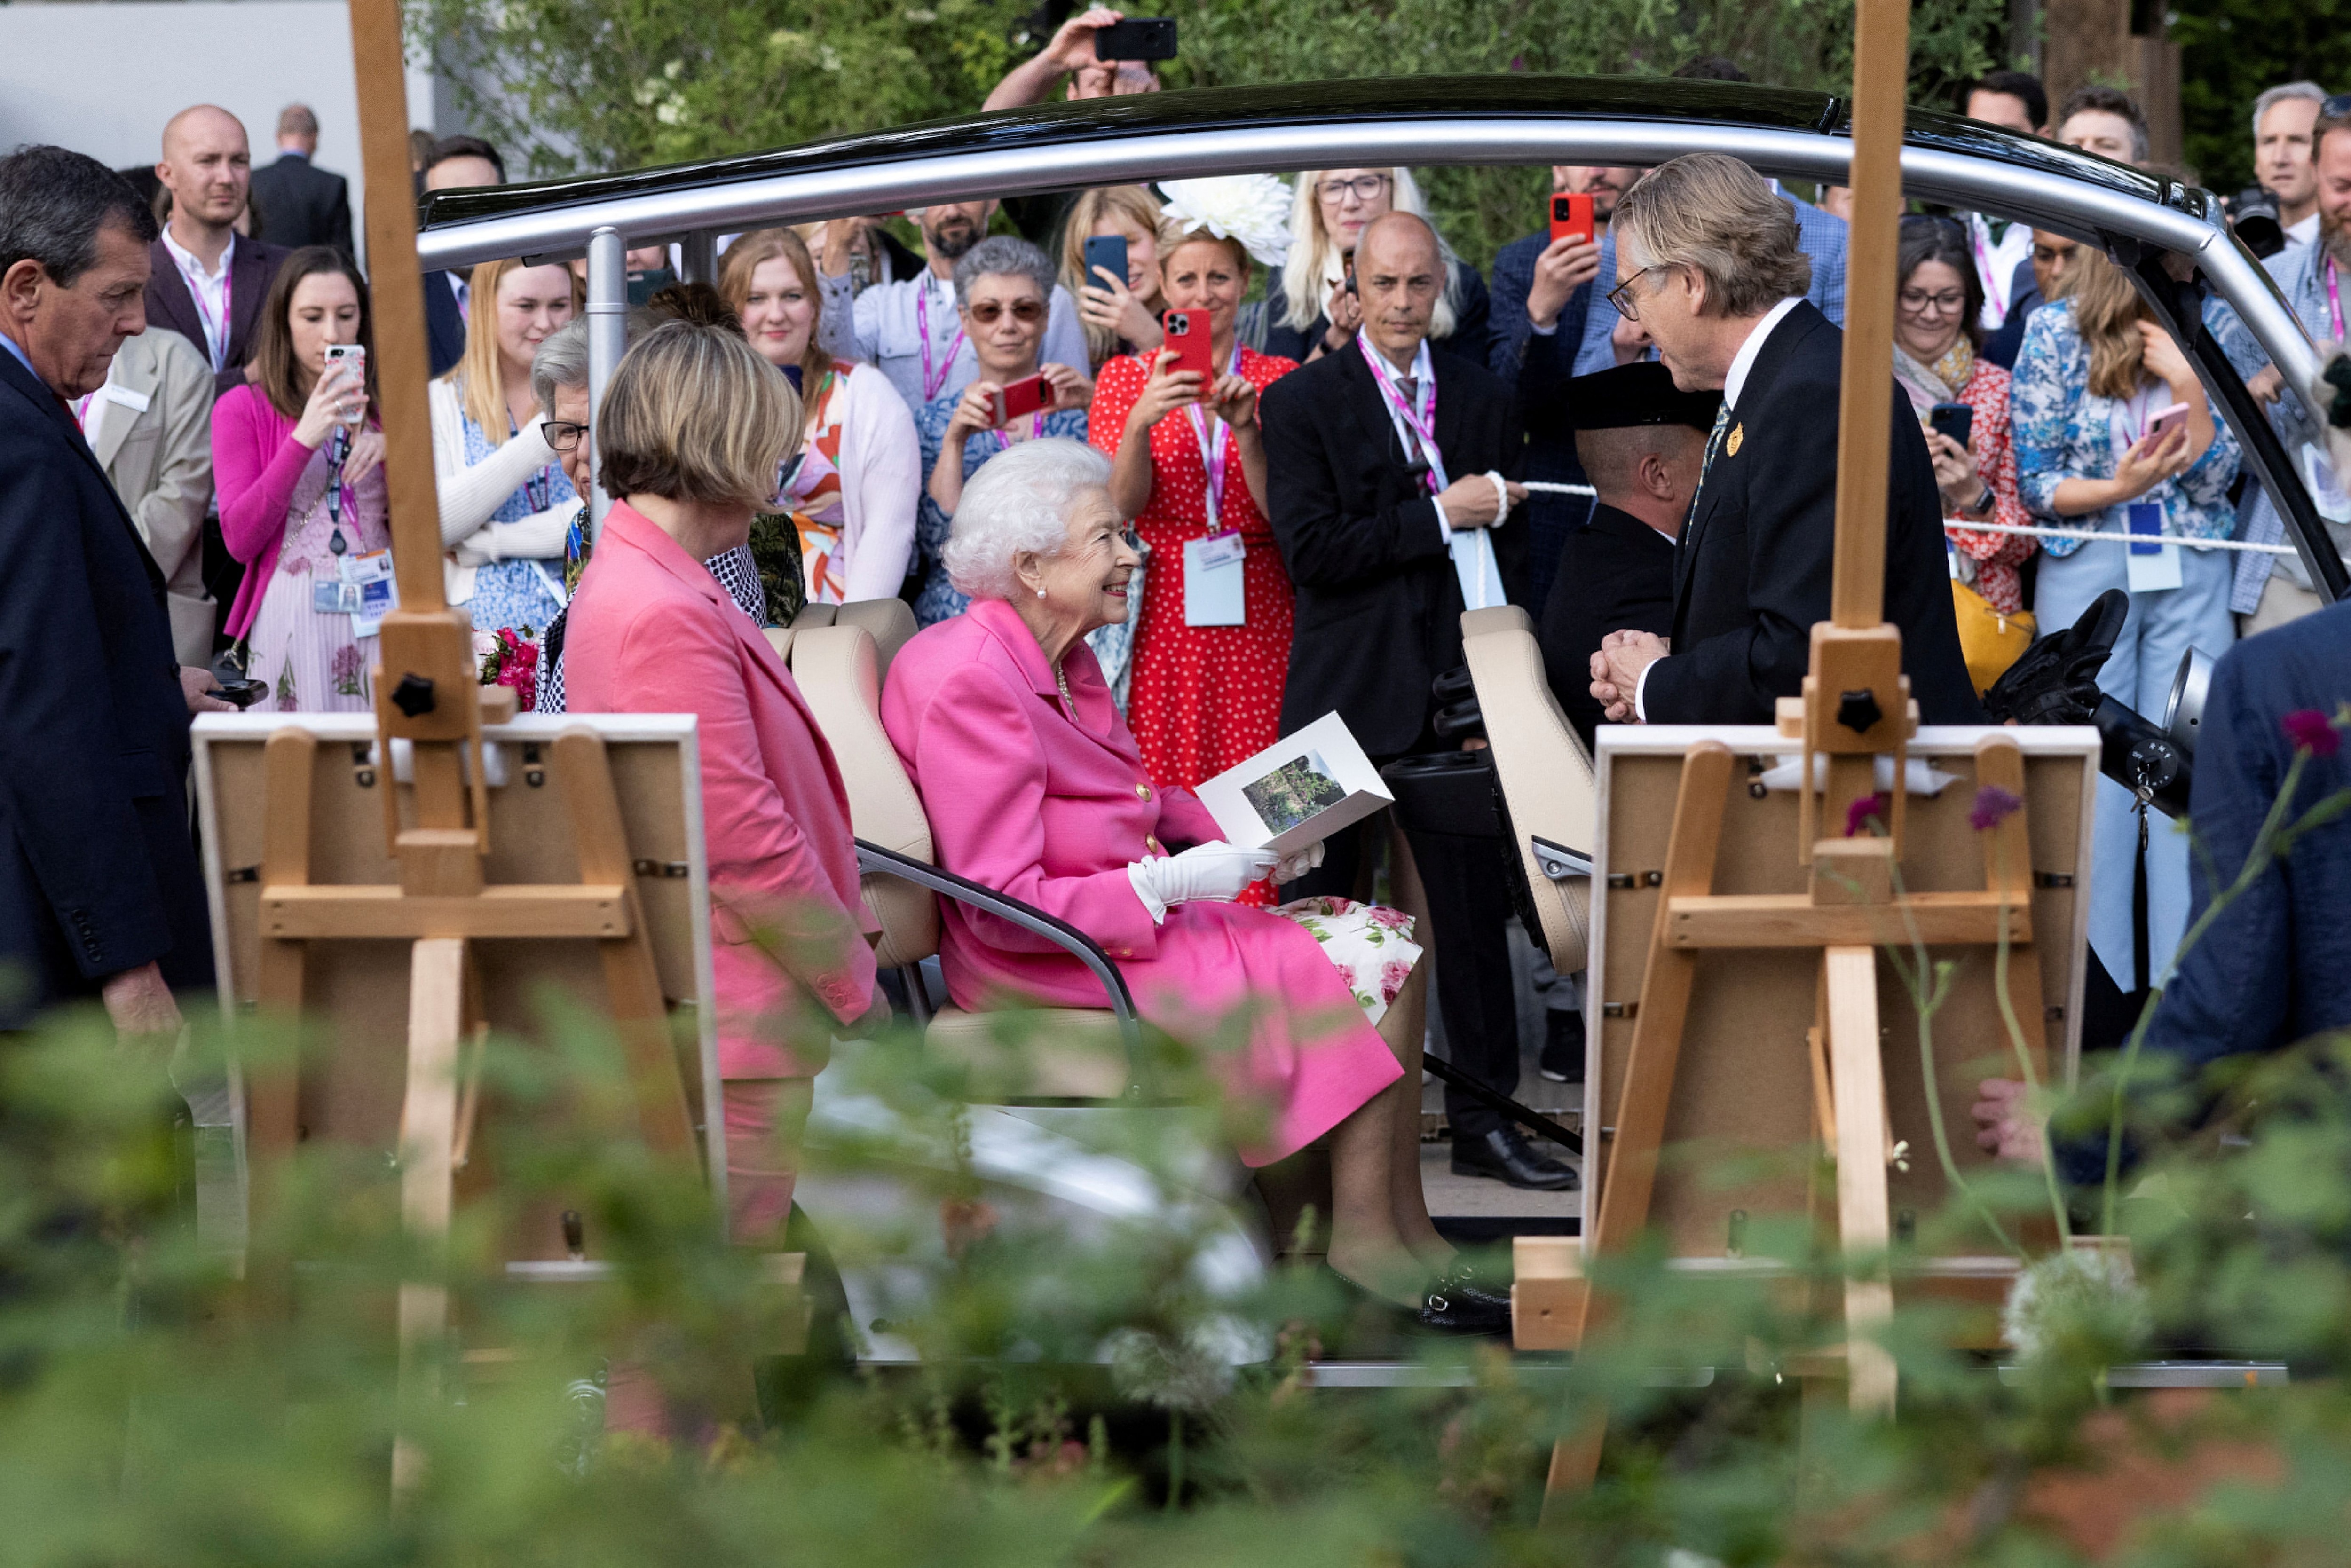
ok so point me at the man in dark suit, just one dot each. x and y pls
(458, 162)
(209, 281)
(1707, 261)
(99, 894)
(1391, 469)
(1641, 439)
(301, 204)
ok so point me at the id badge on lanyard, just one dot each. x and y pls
(2153, 566)
(1215, 573)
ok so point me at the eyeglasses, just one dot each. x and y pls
(1364, 187)
(563, 435)
(1918, 303)
(987, 310)
(1621, 296)
(2336, 108)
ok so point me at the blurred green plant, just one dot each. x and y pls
(573, 86)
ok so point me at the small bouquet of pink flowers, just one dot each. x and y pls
(509, 657)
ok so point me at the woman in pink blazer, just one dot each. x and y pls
(1034, 787)
(689, 437)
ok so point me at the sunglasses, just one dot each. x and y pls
(987, 310)
(563, 435)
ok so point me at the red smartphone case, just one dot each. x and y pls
(1570, 215)
(1026, 396)
(1193, 352)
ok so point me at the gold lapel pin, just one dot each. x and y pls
(1737, 434)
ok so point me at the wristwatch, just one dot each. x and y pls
(1983, 503)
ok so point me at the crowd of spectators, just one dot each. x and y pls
(1292, 530)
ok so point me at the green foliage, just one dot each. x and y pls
(571, 85)
(2231, 51)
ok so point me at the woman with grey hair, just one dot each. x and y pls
(1034, 787)
(1004, 291)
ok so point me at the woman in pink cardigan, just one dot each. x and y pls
(688, 440)
(1034, 787)
(298, 467)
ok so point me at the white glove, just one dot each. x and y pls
(1216, 871)
(1299, 864)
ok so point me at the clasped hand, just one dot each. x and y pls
(1616, 670)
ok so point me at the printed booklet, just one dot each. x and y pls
(1304, 788)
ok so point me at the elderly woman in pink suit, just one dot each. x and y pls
(689, 437)
(1034, 787)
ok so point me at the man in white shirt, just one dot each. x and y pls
(1707, 261)
(909, 330)
(2284, 159)
(2014, 100)
(209, 281)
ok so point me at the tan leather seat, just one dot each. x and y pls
(890, 621)
(1062, 1053)
(1545, 774)
(812, 616)
(779, 638)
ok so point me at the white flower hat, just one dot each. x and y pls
(1251, 208)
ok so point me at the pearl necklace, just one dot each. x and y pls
(1062, 681)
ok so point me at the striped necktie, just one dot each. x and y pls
(1713, 446)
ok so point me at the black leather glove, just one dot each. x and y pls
(2056, 680)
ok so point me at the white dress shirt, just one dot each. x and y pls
(211, 293)
(1733, 384)
(1996, 263)
(2304, 232)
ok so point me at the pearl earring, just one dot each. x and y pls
(1040, 594)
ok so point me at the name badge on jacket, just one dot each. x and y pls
(2153, 566)
(1214, 581)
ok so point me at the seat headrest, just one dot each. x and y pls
(779, 638)
(1546, 777)
(890, 621)
(812, 616)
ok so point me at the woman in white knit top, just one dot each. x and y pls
(505, 502)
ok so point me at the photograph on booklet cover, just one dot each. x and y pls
(1293, 792)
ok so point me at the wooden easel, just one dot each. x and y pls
(429, 705)
(1855, 708)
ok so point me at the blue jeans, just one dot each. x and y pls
(2162, 627)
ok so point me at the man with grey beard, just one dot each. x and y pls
(909, 330)
(2271, 591)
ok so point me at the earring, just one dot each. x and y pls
(1040, 594)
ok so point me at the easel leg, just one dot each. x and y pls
(273, 1091)
(436, 1007)
(1574, 1464)
(1865, 1223)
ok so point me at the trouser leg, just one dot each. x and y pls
(1469, 907)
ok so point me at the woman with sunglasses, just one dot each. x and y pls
(1319, 313)
(1937, 336)
(1003, 289)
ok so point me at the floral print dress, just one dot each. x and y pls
(521, 595)
(310, 662)
(1370, 945)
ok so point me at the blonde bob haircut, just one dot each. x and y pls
(1710, 212)
(1314, 266)
(693, 413)
(480, 380)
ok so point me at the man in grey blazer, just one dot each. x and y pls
(150, 428)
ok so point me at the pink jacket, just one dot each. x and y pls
(651, 631)
(1048, 804)
(256, 464)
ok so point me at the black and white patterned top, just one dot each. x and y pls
(736, 573)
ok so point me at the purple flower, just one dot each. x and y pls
(2312, 731)
(1993, 805)
(1857, 815)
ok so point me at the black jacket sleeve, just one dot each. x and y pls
(1324, 543)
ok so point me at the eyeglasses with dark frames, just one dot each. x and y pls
(563, 435)
(1365, 187)
(988, 311)
(1621, 296)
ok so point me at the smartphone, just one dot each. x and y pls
(243, 694)
(1136, 38)
(1029, 394)
(1570, 215)
(354, 355)
(2164, 421)
(1956, 420)
(1188, 335)
(1107, 252)
(1347, 261)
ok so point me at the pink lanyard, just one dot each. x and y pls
(1993, 286)
(2333, 299)
(81, 411)
(1422, 419)
(215, 329)
(1215, 454)
(1036, 429)
(932, 383)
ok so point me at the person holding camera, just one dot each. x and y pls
(1188, 471)
(1121, 314)
(1073, 52)
(1002, 286)
(299, 459)
(1320, 309)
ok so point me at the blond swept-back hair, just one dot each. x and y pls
(693, 413)
(1313, 265)
(2108, 310)
(1136, 204)
(480, 380)
(1711, 212)
(754, 250)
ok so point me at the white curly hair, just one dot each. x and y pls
(1019, 501)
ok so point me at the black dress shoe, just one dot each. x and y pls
(1563, 1048)
(1461, 1282)
(1448, 1310)
(1505, 1156)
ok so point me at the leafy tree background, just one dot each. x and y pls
(568, 86)
(2232, 49)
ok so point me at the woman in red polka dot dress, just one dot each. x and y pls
(1188, 466)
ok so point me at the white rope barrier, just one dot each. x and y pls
(2116, 539)
(1546, 487)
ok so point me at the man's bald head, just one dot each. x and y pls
(207, 165)
(1403, 239)
(1399, 278)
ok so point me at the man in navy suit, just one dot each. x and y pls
(458, 162)
(99, 894)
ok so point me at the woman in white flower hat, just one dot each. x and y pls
(1188, 469)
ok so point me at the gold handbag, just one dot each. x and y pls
(1990, 639)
